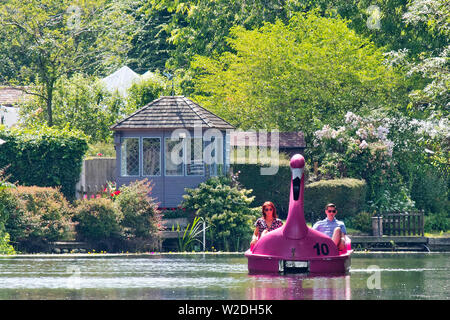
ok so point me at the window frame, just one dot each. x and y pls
(190, 160)
(183, 148)
(139, 156)
(141, 150)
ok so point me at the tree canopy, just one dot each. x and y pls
(55, 38)
(294, 76)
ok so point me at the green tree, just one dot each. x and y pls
(80, 102)
(150, 48)
(201, 27)
(145, 91)
(431, 100)
(62, 37)
(295, 76)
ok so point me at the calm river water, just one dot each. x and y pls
(218, 276)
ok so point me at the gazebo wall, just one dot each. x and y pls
(167, 190)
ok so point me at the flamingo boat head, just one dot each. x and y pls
(296, 247)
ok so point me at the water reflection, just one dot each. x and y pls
(220, 277)
(299, 287)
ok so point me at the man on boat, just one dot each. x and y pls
(332, 227)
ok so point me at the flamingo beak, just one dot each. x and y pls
(296, 180)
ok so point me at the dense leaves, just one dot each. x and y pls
(80, 103)
(56, 38)
(35, 216)
(226, 210)
(295, 76)
(44, 157)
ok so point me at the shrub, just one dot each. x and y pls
(437, 222)
(141, 217)
(5, 247)
(362, 221)
(348, 195)
(363, 149)
(37, 215)
(430, 191)
(7, 204)
(45, 157)
(174, 213)
(98, 221)
(226, 210)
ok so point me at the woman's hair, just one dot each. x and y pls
(269, 204)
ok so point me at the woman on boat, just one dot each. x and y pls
(266, 223)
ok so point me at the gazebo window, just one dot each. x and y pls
(151, 156)
(194, 150)
(211, 156)
(129, 157)
(173, 157)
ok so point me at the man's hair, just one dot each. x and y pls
(330, 205)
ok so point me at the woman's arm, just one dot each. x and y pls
(255, 236)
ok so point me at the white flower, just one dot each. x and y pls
(363, 144)
(382, 132)
(352, 118)
(361, 133)
(390, 147)
(324, 133)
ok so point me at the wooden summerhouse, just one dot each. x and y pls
(173, 142)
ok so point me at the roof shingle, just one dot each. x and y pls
(10, 96)
(170, 112)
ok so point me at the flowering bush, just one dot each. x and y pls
(362, 149)
(35, 216)
(226, 210)
(98, 220)
(109, 192)
(127, 217)
(141, 218)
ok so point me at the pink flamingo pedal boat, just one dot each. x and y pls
(295, 247)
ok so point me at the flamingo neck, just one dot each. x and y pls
(295, 227)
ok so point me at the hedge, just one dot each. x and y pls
(35, 216)
(274, 188)
(348, 194)
(45, 157)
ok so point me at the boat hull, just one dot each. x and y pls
(258, 263)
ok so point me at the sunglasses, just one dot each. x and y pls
(268, 209)
(332, 211)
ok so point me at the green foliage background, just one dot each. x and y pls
(227, 211)
(44, 156)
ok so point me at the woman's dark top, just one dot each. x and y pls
(262, 225)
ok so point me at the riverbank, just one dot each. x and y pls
(168, 254)
(359, 243)
(401, 243)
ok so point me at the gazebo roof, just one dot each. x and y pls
(171, 112)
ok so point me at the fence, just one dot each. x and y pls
(95, 175)
(403, 224)
(389, 224)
